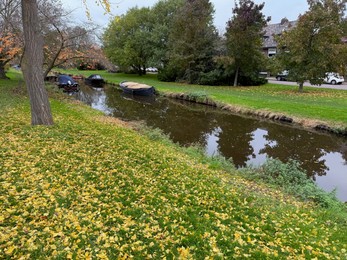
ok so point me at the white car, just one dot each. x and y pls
(333, 78)
(152, 69)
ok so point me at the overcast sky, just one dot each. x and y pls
(277, 9)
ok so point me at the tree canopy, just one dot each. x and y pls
(314, 47)
(139, 38)
(192, 40)
(128, 39)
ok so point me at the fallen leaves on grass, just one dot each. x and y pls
(85, 191)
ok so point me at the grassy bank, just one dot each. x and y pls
(313, 107)
(88, 187)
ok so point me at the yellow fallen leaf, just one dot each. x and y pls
(9, 250)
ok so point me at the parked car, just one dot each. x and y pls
(333, 78)
(152, 69)
(282, 75)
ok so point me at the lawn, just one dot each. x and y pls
(89, 187)
(325, 105)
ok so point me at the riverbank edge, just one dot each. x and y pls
(309, 124)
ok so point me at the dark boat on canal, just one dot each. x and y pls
(95, 80)
(134, 88)
(67, 83)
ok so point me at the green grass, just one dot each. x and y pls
(89, 187)
(314, 104)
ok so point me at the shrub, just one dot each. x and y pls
(293, 180)
(220, 77)
(213, 78)
(168, 74)
(198, 96)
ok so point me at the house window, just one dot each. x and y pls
(271, 52)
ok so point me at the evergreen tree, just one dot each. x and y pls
(244, 35)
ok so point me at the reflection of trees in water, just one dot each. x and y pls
(307, 147)
(184, 125)
(233, 136)
(92, 97)
(343, 150)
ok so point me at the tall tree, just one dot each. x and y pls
(314, 46)
(163, 13)
(192, 40)
(32, 65)
(244, 34)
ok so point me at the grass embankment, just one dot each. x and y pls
(312, 108)
(88, 187)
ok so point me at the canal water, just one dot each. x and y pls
(248, 141)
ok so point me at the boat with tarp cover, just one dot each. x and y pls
(135, 88)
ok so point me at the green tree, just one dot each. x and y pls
(128, 41)
(191, 41)
(162, 13)
(314, 46)
(244, 34)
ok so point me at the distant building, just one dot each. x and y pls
(273, 30)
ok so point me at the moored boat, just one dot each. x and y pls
(95, 80)
(135, 88)
(67, 83)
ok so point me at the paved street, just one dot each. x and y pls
(289, 83)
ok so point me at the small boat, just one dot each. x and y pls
(51, 76)
(67, 83)
(95, 80)
(135, 88)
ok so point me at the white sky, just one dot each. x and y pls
(277, 9)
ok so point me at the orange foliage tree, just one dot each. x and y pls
(9, 48)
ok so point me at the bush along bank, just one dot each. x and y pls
(204, 99)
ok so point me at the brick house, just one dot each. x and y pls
(273, 30)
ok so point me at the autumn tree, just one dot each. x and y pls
(314, 46)
(244, 35)
(63, 41)
(10, 44)
(191, 41)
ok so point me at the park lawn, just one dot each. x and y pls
(325, 105)
(90, 187)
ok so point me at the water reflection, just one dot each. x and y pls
(245, 140)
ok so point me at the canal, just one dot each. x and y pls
(248, 141)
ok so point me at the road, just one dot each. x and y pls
(343, 86)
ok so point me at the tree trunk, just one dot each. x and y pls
(236, 76)
(2, 71)
(32, 65)
(301, 86)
